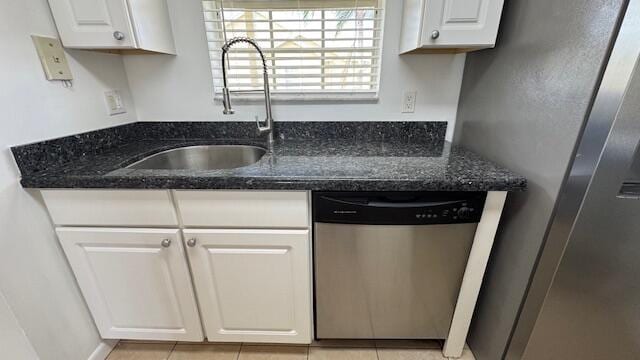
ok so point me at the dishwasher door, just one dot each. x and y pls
(388, 281)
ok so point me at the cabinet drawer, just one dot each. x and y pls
(249, 209)
(111, 207)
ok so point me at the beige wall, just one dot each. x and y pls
(180, 88)
(34, 275)
(13, 342)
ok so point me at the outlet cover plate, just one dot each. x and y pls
(52, 56)
(409, 101)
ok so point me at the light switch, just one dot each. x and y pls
(54, 62)
(114, 102)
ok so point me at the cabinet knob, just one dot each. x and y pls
(435, 34)
(118, 35)
(166, 243)
(191, 242)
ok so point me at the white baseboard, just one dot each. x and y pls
(103, 350)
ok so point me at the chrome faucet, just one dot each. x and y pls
(226, 101)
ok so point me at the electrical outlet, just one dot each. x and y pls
(54, 62)
(409, 101)
(114, 102)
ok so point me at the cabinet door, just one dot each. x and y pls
(461, 23)
(253, 285)
(136, 282)
(93, 23)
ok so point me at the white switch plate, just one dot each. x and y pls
(114, 102)
(409, 101)
(54, 62)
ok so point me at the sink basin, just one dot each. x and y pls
(205, 157)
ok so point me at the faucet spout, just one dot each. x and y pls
(267, 127)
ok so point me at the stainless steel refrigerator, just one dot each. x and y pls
(559, 101)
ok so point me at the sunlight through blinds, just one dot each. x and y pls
(311, 46)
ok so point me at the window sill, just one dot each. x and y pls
(338, 97)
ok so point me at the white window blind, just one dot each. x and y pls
(312, 46)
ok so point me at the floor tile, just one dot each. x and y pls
(344, 343)
(146, 342)
(410, 354)
(273, 344)
(141, 351)
(331, 353)
(208, 343)
(205, 352)
(467, 355)
(272, 352)
(409, 344)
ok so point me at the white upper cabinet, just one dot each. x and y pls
(136, 282)
(114, 24)
(449, 25)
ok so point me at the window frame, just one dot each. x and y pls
(311, 95)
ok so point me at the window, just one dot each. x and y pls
(314, 48)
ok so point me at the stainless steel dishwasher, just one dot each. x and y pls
(389, 265)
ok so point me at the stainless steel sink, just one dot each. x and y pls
(205, 157)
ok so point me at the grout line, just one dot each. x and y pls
(239, 351)
(172, 349)
(112, 349)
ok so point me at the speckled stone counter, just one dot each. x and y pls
(316, 156)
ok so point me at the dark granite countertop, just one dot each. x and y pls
(335, 163)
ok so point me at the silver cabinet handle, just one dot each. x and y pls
(191, 242)
(166, 243)
(435, 34)
(118, 35)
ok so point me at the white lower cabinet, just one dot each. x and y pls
(252, 285)
(136, 282)
(251, 273)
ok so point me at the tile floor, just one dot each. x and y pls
(324, 350)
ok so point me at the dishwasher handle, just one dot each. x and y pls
(412, 203)
(382, 204)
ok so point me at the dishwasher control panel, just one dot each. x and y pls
(398, 208)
